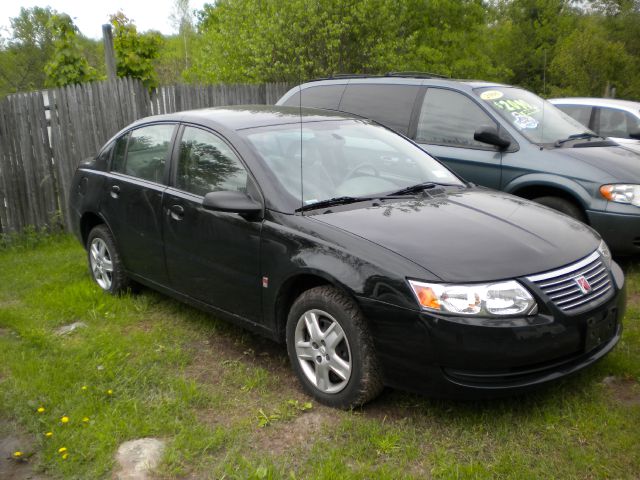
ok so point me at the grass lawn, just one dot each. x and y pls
(228, 406)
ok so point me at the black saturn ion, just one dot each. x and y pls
(372, 261)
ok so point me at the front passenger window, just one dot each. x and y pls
(207, 164)
(450, 118)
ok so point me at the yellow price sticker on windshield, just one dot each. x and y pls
(491, 95)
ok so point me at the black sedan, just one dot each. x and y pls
(373, 263)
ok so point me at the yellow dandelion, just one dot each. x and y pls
(48, 434)
(64, 419)
(17, 454)
(109, 392)
(85, 419)
(84, 387)
(64, 457)
(40, 409)
(62, 449)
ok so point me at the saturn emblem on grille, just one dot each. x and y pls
(583, 284)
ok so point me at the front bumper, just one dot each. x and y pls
(621, 231)
(431, 355)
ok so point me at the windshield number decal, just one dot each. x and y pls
(491, 95)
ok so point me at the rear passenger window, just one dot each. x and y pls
(390, 105)
(450, 118)
(117, 164)
(147, 152)
(207, 164)
(581, 113)
(318, 97)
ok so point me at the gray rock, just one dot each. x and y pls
(138, 458)
(67, 329)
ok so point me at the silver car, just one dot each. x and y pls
(616, 119)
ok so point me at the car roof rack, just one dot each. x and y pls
(336, 76)
(416, 74)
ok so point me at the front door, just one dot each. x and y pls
(447, 122)
(211, 256)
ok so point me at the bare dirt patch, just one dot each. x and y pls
(13, 439)
(624, 391)
(298, 434)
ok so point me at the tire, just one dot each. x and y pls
(104, 261)
(563, 206)
(343, 372)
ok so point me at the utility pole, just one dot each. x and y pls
(109, 54)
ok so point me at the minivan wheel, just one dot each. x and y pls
(563, 206)
(104, 262)
(331, 349)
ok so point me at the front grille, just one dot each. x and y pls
(563, 290)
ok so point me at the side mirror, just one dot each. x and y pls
(489, 134)
(230, 201)
(635, 133)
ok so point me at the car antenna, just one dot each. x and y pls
(300, 114)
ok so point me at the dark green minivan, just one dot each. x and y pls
(502, 137)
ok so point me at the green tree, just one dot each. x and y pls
(587, 61)
(135, 52)
(271, 40)
(67, 65)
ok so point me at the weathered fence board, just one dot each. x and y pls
(44, 135)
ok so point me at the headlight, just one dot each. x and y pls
(620, 193)
(605, 253)
(483, 300)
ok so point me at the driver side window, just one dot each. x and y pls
(207, 164)
(450, 118)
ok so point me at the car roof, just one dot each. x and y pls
(240, 117)
(599, 102)
(399, 79)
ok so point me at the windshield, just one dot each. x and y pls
(538, 120)
(343, 158)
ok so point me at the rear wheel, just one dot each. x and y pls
(331, 349)
(104, 261)
(564, 206)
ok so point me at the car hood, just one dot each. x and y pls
(618, 164)
(471, 235)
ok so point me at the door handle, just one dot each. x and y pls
(176, 212)
(115, 191)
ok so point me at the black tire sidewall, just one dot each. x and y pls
(561, 205)
(323, 298)
(119, 281)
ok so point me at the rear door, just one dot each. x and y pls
(211, 256)
(132, 200)
(446, 124)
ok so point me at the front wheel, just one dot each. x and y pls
(331, 349)
(104, 261)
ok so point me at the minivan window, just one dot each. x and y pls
(322, 96)
(390, 105)
(207, 164)
(616, 123)
(539, 121)
(147, 152)
(450, 118)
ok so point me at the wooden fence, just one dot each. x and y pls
(44, 135)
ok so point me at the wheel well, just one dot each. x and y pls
(292, 289)
(536, 191)
(87, 223)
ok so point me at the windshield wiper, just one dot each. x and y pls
(418, 187)
(330, 202)
(577, 136)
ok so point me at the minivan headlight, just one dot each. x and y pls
(483, 300)
(621, 193)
